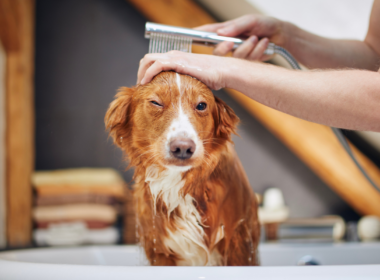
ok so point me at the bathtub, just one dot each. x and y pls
(279, 261)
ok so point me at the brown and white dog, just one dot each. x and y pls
(193, 201)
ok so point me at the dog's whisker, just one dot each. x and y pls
(148, 151)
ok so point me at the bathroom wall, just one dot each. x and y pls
(85, 50)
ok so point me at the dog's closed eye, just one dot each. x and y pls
(156, 103)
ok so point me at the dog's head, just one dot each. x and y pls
(174, 121)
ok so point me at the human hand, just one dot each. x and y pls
(209, 69)
(252, 26)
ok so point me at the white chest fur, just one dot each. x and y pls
(187, 241)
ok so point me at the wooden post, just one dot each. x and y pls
(17, 37)
(3, 201)
(314, 144)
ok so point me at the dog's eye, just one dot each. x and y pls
(201, 106)
(156, 103)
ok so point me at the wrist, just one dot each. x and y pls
(289, 32)
(231, 71)
(238, 73)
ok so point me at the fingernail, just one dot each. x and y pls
(253, 39)
(225, 30)
(142, 81)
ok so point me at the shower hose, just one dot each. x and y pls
(338, 133)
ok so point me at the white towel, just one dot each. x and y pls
(69, 212)
(70, 234)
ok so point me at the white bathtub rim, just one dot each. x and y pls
(98, 251)
(22, 270)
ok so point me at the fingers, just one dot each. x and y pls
(206, 68)
(140, 71)
(252, 49)
(213, 27)
(246, 48)
(237, 26)
(145, 63)
(258, 51)
(223, 48)
(152, 64)
(155, 68)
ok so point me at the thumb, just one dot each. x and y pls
(210, 27)
(237, 27)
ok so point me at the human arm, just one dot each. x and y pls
(346, 98)
(309, 49)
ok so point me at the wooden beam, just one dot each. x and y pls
(9, 19)
(173, 12)
(314, 144)
(18, 16)
(318, 148)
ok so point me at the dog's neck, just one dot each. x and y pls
(167, 186)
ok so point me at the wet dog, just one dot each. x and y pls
(193, 200)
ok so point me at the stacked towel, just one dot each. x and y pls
(77, 206)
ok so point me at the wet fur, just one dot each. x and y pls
(217, 184)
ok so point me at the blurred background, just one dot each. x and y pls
(74, 55)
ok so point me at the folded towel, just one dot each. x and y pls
(103, 181)
(96, 212)
(55, 200)
(89, 224)
(70, 234)
(110, 190)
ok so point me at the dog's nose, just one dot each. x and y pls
(182, 148)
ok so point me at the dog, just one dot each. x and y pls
(193, 201)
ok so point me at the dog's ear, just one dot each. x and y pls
(225, 120)
(117, 116)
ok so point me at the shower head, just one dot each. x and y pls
(164, 38)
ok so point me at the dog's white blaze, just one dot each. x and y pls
(181, 126)
(187, 241)
(178, 80)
